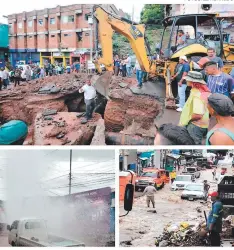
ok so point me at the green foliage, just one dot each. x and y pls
(152, 14)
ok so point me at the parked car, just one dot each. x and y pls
(204, 163)
(193, 171)
(157, 177)
(181, 181)
(162, 172)
(194, 191)
(33, 233)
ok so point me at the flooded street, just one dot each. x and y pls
(4, 240)
(141, 226)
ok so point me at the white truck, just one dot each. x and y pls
(33, 233)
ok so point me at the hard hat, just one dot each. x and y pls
(214, 194)
(203, 61)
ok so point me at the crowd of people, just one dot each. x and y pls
(205, 92)
(22, 73)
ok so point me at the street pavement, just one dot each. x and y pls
(141, 226)
(4, 240)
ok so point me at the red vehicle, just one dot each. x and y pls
(157, 176)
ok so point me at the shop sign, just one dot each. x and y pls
(57, 54)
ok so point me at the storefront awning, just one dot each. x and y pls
(143, 158)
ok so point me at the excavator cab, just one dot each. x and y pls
(191, 35)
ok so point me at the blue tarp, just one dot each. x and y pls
(12, 131)
(146, 154)
(175, 151)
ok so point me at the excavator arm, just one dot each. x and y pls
(107, 24)
(135, 33)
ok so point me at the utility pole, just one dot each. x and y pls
(132, 13)
(70, 174)
(91, 33)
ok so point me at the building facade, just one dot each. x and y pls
(61, 34)
(4, 45)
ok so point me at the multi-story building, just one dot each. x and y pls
(60, 34)
(4, 44)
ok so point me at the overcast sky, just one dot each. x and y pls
(25, 5)
(25, 170)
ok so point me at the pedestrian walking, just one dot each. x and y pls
(218, 81)
(5, 77)
(17, 76)
(173, 176)
(214, 221)
(124, 67)
(149, 192)
(195, 113)
(222, 108)
(206, 188)
(116, 65)
(89, 96)
(68, 69)
(27, 73)
(214, 173)
(139, 74)
(182, 85)
(129, 65)
(12, 76)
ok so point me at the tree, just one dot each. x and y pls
(152, 14)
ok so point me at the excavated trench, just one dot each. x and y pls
(53, 109)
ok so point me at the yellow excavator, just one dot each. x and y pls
(205, 30)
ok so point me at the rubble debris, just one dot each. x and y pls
(170, 103)
(80, 114)
(190, 234)
(49, 112)
(126, 113)
(124, 108)
(99, 135)
(48, 118)
(183, 234)
(122, 139)
(74, 132)
(123, 84)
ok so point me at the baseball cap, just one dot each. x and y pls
(214, 194)
(184, 58)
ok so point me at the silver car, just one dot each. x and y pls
(194, 191)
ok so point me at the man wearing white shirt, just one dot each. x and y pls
(5, 77)
(129, 66)
(89, 96)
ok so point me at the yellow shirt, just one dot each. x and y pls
(196, 104)
(173, 175)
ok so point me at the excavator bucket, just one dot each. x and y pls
(102, 83)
